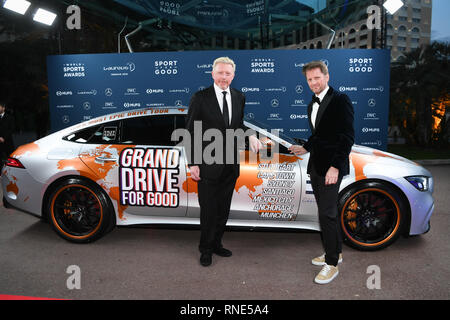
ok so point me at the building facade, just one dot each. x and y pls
(406, 30)
(409, 27)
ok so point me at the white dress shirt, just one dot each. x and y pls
(316, 106)
(219, 96)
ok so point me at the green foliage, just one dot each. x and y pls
(418, 81)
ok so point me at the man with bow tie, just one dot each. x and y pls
(330, 116)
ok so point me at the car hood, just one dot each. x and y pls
(372, 163)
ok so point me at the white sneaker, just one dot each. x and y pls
(327, 274)
(320, 261)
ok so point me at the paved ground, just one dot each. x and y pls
(155, 263)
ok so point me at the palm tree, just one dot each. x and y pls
(420, 80)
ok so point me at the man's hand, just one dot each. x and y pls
(332, 176)
(2, 140)
(297, 150)
(255, 144)
(195, 173)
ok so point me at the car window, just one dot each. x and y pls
(99, 134)
(180, 121)
(149, 130)
(108, 133)
(82, 136)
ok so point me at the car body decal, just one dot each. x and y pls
(26, 148)
(149, 177)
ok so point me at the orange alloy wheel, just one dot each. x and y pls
(371, 218)
(76, 212)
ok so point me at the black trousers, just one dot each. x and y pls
(214, 196)
(327, 204)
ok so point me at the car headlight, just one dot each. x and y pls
(421, 183)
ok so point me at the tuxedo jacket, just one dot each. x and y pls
(204, 107)
(6, 131)
(333, 135)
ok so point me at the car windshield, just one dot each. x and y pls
(269, 131)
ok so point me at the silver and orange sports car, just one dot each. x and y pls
(125, 169)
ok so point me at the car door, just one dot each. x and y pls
(269, 186)
(270, 183)
(139, 166)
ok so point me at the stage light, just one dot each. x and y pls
(19, 6)
(393, 5)
(44, 16)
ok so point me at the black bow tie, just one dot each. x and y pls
(316, 99)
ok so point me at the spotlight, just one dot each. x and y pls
(19, 6)
(44, 16)
(393, 5)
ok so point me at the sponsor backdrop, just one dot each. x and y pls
(82, 87)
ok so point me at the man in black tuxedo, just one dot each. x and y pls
(6, 130)
(330, 116)
(217, 107)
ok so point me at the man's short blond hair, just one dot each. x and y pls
(224, 60)
(314, 65)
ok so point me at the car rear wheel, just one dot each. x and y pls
(371, 215)
(79, 211)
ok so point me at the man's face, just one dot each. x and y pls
(2, 109)
(223, 74)
(317, 81)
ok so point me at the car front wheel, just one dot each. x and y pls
(371, 215)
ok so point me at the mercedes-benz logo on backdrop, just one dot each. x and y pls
(299, 88)
(65, 119)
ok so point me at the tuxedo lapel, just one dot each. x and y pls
(323, 105)
(309, 117)
(235, 108)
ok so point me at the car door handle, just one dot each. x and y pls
(106, 159)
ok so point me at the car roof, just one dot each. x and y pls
(126, 114)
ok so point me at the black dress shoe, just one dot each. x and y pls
(206, 259)
(223, 252)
